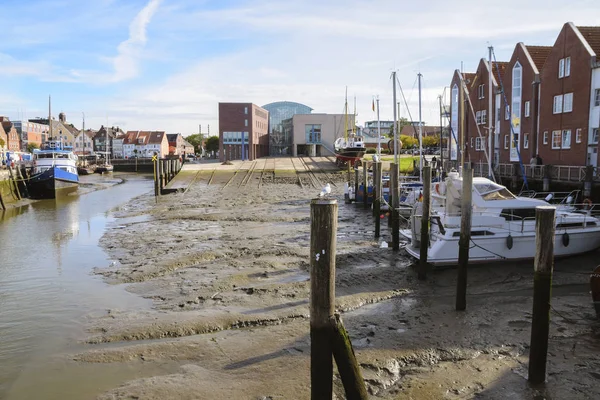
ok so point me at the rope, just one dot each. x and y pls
(406, 105)
(484, 249)
(512, 130)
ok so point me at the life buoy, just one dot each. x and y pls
(587, 203)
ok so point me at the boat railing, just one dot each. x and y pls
(553, 197)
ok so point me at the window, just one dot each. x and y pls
(527, 109)
(558, 101)
(245, 122)
(472, 141)
(526, 141)
(568, 102)
(481, 92)
(546, 137)
(578, 135)
(595, 136)
(597, 98)
(478, 117)
(566, 139)
(484, 117)
(567, 66)
(556, 139)
(507, 113)
(480, 144)
(561, 68)
(313, 133)
(505, 142)
(246, 110)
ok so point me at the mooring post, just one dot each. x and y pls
(542, 289)
(377, 198)
(356, 183)
(422, 272)
(390, 199)
(395, 190)
(547, 171)
(365, 184)
(465, 237)
(156, 186)
(323, 228)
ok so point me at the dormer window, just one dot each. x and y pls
(140, 141)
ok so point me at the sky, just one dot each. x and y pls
(166, 64)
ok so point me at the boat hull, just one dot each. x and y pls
(52, 183)
(350, 153)
(104, 168)
(494, 248)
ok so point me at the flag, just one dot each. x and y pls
(373, 105)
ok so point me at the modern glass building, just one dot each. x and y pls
(280, 139)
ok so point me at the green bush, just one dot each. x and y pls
(371, 150)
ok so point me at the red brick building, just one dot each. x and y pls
(13, 142)
(243, 128)
(518, 123)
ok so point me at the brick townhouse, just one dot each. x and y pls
(549, 105)
(247, 121)
(518, 113)
(570, 98)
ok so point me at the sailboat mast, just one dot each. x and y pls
(420, 132)
(378, 129)
(490, 114)
(50, 117)
(396, 124)
(354, 118)
(346, 115)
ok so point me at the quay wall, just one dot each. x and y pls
(7, 190)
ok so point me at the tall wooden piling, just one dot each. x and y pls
(366, 184)
(422, 272)
(465, 238)
(355, 183)
(377, 198)
(323, 228)
(547, 177)
(156, 185)
(542, 289)
(395, 203)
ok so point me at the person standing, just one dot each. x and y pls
(539, 160)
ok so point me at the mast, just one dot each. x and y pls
(354, 119)
(490, 113)
(396, 125)
(441, 135)
(420, 132)
(461, 105)
(378, 129)
(83, 133)
(346, 116)
(50, 116)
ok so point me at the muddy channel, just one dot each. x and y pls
(227, 271)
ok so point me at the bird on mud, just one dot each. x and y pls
(326, 191)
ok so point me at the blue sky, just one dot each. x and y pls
(165, 64)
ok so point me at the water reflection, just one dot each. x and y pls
(47, 251)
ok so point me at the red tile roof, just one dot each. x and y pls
(499, 68)
(592, 35)
(539, 54)
(147, 137)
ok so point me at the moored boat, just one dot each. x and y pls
(502, 225)
(54, 172)
(104, 168)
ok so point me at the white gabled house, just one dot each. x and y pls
(144, 144)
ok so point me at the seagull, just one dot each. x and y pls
(325, 191)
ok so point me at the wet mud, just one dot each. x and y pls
(226, 265)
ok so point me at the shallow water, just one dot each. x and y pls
(47, 252)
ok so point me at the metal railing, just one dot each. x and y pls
(564, 173)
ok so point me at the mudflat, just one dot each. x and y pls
(226, 264)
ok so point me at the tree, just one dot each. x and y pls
(402, 122)
(429, 141)
(32, 146)
(212, 144)
(2, 142)
(196, 141)
(408, 141)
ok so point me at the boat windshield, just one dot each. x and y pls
(493, 191)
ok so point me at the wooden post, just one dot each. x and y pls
(354, 384)
(542, 289)
(14, 182)
(395, 192)
(156, 186)
(355, 183)
(547, 177)
(366, 184)
(323, 228)
(589, 180)
(422, 272)
(377, 199)
(390, 200)
(465, 238)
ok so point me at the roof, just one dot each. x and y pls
(592, 35)
(499, 68)
(146, 137)
(172, 137)
(539, 54)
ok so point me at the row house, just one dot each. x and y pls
(145, 144)
(118, 146)
(103, 139)
(178, 146)
(188, 148)
(13, 141)
(3, 143)
(58, 130)
(570, 98)
(545, 101)
(84, 143)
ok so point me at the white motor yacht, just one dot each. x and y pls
(502, 226)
